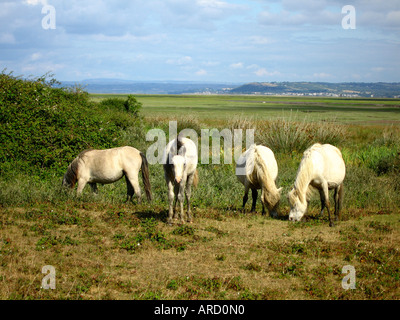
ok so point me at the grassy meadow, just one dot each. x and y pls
(103, 248)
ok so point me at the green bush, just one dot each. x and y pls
(132, 105)
(113, 103)
(45, 127)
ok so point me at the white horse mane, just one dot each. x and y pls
(304, 173)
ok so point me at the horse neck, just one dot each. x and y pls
(303, 178)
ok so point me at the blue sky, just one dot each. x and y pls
(203, 40)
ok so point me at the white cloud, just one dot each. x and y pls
(201, 72)
(260, 40)
(7, 38)
(35, 2)
(238, 65)
(265, 73)
(393, 18)
(220, 39)
(180, 61)
(36, 56)
(322, 75)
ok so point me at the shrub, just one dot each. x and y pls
(113, 103)
(132, 105)
(45, 127)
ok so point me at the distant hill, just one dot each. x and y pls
(348, 89)
(152, 87)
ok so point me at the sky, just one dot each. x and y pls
(233, 41)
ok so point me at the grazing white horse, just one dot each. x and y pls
(256, 169)
(180, 169)
(108, 166)
(323, 168)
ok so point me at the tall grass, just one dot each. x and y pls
(290, 134)
(287, 136)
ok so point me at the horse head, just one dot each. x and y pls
(297, 207)
(179, 166)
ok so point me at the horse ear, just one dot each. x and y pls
(280, 189)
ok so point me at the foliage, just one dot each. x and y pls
(130, 105)
(44, 127)
(104, 249)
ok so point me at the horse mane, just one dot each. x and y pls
(304, 173)
(71, 176)
(179, 142)
(262, 175)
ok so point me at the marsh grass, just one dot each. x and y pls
(107, 254)
(103, 248)
(288, 135)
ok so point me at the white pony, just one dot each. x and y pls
(180, 170)
(108, 166)
(256, 169)
(323, 168)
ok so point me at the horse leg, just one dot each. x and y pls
(129, 190)
(176, 192)
(322, 197)
(81, 184)
(327, 204)
(181, 198)
(94, 187)
(254, 195)
(188, 191)
(171, 196)
(338, 200)
(245, 197)
(134, 184)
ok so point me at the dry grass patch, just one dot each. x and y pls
(122, 253)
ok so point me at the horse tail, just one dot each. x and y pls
(71, 176)
(340, 197)
(262, 174)
(260, 171)
(146, 176)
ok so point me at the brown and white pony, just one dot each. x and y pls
(180, 170)
(108, 166)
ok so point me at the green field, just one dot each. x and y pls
(103, 248)
(221, 107)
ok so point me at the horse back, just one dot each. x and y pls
(109, 165)
(330, 162)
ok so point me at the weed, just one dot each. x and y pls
(172, 285)
(220, 257)
(252, 266)
(184, 230)
(380, 227)
(49, 241)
